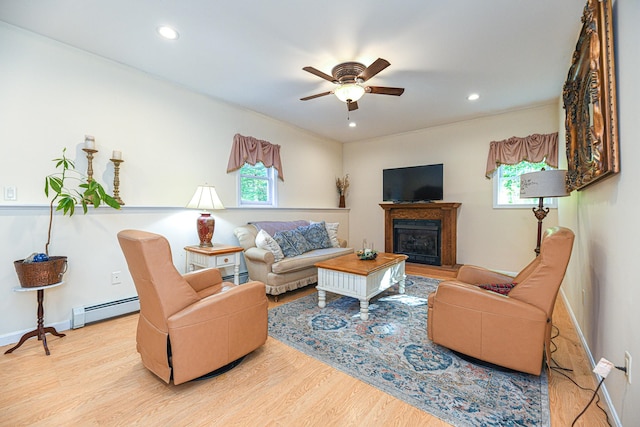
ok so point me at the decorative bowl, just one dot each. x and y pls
(367, 254)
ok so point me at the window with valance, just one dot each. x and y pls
(510, 158)
(533, 148)
(247, 149)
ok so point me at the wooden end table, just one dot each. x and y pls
(349, 275)
(41, 331)
(218, 256)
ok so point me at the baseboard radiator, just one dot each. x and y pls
(81, 316)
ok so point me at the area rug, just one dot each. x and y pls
(391, 351)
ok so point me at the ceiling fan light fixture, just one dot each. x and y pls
(349, 92)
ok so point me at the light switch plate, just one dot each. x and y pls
(10, 193)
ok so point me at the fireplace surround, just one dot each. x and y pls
(424, 214)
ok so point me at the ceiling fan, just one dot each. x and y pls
(349, 78)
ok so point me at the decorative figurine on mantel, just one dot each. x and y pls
(342, 184)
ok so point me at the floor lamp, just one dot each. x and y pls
(205, 199)
(541, 184)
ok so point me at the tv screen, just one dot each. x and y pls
(413, 184)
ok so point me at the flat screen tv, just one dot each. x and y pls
(413, 184)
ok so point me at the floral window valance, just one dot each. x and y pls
(533, 148)
(247, 149)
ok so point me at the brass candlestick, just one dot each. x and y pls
(90, 153)
(116, 180)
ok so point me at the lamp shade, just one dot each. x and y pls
(544, 183)
(350, 92)
(205, 198)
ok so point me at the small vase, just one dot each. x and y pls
(342, 203)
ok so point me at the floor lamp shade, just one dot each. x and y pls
(541, 184)
(545, 183)
(205, 199)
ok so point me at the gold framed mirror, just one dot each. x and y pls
(589, 97)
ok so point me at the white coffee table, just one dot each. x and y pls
(348, 275)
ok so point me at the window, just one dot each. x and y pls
(506, 186)
(257, 185)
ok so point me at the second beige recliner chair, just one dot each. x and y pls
(511, 331)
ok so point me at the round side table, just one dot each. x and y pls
(40, 331)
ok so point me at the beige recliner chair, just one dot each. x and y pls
(511, 330)
(191, 324)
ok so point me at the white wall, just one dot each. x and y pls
(502, 239)
(604, 217)
(172, 140)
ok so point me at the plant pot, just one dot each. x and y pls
(34, 274)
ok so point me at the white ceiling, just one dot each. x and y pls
(514, 53)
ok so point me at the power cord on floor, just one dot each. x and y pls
(559, 369)
(595, 393)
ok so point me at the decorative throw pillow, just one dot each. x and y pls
(293, 242)
(298, 241)
(287, 248)
(332, 231)
(501, 288)
(266, 242)
(316, 235)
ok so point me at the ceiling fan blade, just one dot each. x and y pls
(381, 90)
(318, 95)
(353, 105)
(320, 74)
(373, 69)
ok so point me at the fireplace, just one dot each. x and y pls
(419, 239)
(444, 214)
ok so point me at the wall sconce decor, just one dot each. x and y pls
(116, 158)
(90, 149)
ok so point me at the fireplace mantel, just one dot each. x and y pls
(446, 212)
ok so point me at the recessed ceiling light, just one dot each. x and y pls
(473, 97)
(352, 124)
(168, 32)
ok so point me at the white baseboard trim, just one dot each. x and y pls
(607, 398)
(14, 337)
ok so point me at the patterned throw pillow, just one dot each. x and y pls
(316, 235)
(287, 248)
(332, 231)
(266, 242)
(501, 288)
(292, 242)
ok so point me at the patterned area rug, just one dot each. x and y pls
(391, 351)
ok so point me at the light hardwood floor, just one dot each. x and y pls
(94, 377)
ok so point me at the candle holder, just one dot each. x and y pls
(116, 180)
(90, 152)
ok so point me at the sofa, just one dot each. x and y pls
(277, 255)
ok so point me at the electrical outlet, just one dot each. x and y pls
(115, 278)
(627, 365)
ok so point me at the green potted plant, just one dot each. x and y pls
(67, 189)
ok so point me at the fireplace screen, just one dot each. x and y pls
(419, 239)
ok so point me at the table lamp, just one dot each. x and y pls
(205, 199)
(541, 184)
